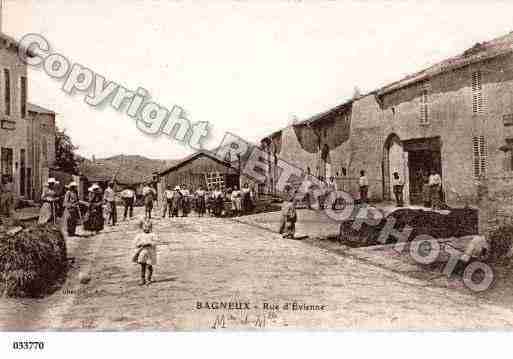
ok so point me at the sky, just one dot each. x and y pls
(246, 67)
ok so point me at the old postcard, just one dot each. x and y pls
(255, 165)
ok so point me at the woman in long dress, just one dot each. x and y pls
(247, 200)
(47, 213)
(71, 209)
(95, 220)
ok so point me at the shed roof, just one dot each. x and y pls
(39, 109)
(192, 157)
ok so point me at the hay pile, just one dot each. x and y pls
(32, 261)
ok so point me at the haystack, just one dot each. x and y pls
(32, 261)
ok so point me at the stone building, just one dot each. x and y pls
(27, 132)
(455, 117)
(319, 146)
(40, 150)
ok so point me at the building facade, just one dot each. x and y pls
(319, 146)
(27, 132)
(41, 132)
(454, 118)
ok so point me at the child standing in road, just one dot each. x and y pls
(145, 245)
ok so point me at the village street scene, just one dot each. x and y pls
(389, 209)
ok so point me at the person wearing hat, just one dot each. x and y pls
(149, 195)
(48, 210)
(95, 221)
(71, 209)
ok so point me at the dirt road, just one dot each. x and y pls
(268, 282)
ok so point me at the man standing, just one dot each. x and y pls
(128, 196)
(435, 185)
(110, 199)
(149, 195)
(186, 200)
(398, 186)
(235, 197)
(364, 187)
(175, 204)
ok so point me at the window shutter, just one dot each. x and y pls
(477, 93)
(475, 147)
(483, 155)
(480, 152)
(424, 101)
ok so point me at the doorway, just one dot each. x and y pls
(394, 160)
(424, 155)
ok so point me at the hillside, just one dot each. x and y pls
(130, 169)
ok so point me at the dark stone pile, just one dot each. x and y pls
(458, 223)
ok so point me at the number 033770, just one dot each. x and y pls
(28, 345)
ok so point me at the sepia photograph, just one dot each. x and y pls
(228, 166)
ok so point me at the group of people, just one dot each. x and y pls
(97, 209)
(324, 188)
(180, 201)
(431, 190)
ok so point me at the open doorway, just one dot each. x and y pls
(424, 155)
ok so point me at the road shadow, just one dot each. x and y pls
(164, 280)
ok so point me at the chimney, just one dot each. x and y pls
(93, 158)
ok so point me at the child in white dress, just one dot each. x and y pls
(145, 245)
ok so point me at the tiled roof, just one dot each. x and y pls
(210, 154)
(479, 52)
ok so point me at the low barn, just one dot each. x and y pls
(200, 169)
(204, 168)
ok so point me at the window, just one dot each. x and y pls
(7, 92)
(480, 156)
(23, 96)
(477, 93)
(44, 150)
(214, 179)
(7, 160)
(424, 101)
(22, 172)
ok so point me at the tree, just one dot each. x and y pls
(65, 152)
